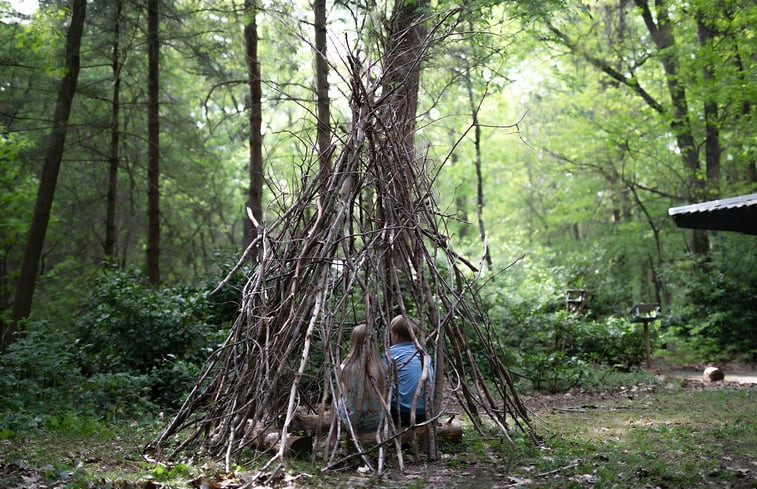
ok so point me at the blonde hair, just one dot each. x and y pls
(405, 328)
(363, 363)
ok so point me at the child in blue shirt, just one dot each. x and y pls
(409, 361)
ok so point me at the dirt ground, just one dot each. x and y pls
(491, 474)
(452, 472)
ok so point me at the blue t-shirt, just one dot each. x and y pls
(408, 375)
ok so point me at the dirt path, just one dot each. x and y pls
(738, 374)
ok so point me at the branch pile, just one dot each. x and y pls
(364, 246)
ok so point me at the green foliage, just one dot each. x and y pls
(162, 334)
(554, 371)
(131, 326)
(133, 347)
(715, 313)
(613, 341)
(39, 370)
(42, 385)
(178, 471)
(17, 188)
(552, 348)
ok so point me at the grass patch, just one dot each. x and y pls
(669, 438)
(76, 452)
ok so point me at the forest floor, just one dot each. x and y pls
(666, 428)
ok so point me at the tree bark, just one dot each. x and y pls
(153, 145)
(706, 31)
(322, 90)
(110, 217)
(402, 67)
(255, 190)
(49, 177)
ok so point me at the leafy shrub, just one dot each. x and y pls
(133, 345)
(554, 371)
(612, 341)
(41, 382)
(714, 310)
(556, 349)
(114, 395)
(172, 379)
(39, 370)
(134, 327)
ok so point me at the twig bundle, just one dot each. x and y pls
(362, 244)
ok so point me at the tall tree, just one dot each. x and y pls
(48, 180)
(110, 215)
(706, 31)
(469, 61)
(255, 189)
(153, 144)
(404, 51)
(664, 39)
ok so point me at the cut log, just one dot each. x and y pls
(713, 374)
(448, 432)
(310, 424)
(296, 444)
(270, 439)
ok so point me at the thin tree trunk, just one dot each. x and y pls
(49, 177)
(110, 219)
(460, 201)
(322, 90)
(706, 31)
(479, 178)
(153, 145)
(746, 108)
(255, 190)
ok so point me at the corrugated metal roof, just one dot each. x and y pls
(733, 214)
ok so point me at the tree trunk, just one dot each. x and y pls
(402, 68)
(662, 35)
(153, 145)
(49, 177)
(255, 190)
(322, 90)
(400, 82)
(706, 31)
(110, 219)
(479, 178)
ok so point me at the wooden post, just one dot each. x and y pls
(645, 314)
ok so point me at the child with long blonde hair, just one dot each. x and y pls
(362, 379)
